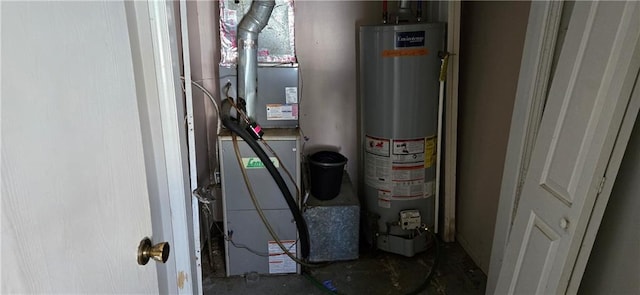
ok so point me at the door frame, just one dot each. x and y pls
(191, 138)
(451, 123)
(533, 84)
(154, 37)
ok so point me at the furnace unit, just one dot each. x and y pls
(248, 245)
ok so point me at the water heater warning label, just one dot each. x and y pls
(378, 171)
(377, 146)
(396, 168)
(408, 174)
(377, 163)
(408, 181)
(407, 147)
(384, 199)
(429, 151)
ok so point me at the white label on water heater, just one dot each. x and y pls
(384, 199)
(408, 173)
(377, 146)
(429, 189)
(280, 262)
(377, 163)
(378, 171)
(408, 190)
(408, 147)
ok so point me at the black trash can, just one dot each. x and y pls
(325, 169)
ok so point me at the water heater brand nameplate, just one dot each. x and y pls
(410, 39)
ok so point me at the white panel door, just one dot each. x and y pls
(588, 97)
(74, 196)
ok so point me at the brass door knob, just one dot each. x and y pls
(159, 252)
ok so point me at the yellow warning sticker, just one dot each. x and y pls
(429, 151)
(405, 52)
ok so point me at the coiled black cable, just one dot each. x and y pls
(301, 225)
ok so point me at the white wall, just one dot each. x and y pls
(492, 39)
(326, 37)
(614, 263)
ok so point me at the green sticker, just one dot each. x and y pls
(255, 163)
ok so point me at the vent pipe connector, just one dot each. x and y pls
(404, 12)
(250, 26)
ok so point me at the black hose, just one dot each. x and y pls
(301, 224)
(432, 272)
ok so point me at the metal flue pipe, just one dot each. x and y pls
(404, 11)
(250, 26)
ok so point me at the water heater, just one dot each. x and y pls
(399, 68)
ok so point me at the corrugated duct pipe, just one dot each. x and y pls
(250, 26)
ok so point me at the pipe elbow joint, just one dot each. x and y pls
(256, 19)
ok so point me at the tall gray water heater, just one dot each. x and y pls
(399, 70)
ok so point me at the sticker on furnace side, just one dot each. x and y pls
(291, 94)
(277, 112)
(280, 262)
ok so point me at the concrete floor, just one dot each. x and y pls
(375, 272)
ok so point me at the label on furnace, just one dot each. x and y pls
(280, 262)
(282, 112)
(291, 94)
